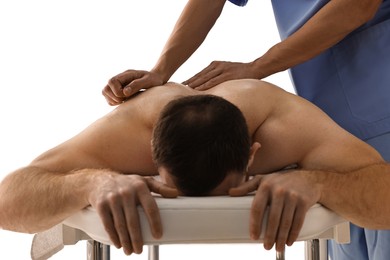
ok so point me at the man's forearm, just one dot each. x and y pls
(195, 22)
(32, 199)
(361, 196)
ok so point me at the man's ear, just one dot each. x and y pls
(252, 151)
(151, 146)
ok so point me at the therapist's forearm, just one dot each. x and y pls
(362, 196)
(326, 28)
(33, 200)
(195, 22)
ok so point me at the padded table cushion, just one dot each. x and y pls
(220, 219)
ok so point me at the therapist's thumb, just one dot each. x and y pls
(148, 80)
(134, 87)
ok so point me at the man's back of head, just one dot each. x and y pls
(199, 140)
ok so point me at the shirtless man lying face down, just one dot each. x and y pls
(202, 143)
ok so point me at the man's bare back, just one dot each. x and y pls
(289, 129)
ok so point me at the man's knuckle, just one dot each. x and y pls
(112, 197)
(140, 185)
(100, 206)
(279, 192)
(265, 186)
(111, 81)
(291, 197)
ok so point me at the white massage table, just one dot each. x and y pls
(188, 220)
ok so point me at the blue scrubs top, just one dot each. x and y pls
(351, 80)
(239, 2)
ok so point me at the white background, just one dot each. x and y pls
(55, 58)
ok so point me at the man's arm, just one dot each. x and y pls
(33, 200)
(195, 22)
(327, 27)
(292, 130)
(361, 196)
(328, 158)
(192, 27)
(88, 170)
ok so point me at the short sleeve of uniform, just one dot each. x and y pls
(239, 2)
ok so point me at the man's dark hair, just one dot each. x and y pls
(200, 139)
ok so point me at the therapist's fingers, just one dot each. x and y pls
(213, 81)
(110, 97)
(127, 83)
(201, 80)
(113, 91)
(115, 84)
(143, 80)
(221, 71)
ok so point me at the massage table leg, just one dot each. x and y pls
(280, 255)
(153, 252)
(97, 251)
(315, 249)
(312, 248)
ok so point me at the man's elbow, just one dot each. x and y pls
(8, 220)
(12, 222)
(2, 226)
(13, 217)
(4, 210)
(377, 222)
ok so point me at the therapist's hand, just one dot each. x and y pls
(221, 71)
(124, 85)
(116, 197)
(289, 196)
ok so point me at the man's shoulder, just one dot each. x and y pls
(248, 86)
(145, 106)
(249, 92)
(156, 95)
